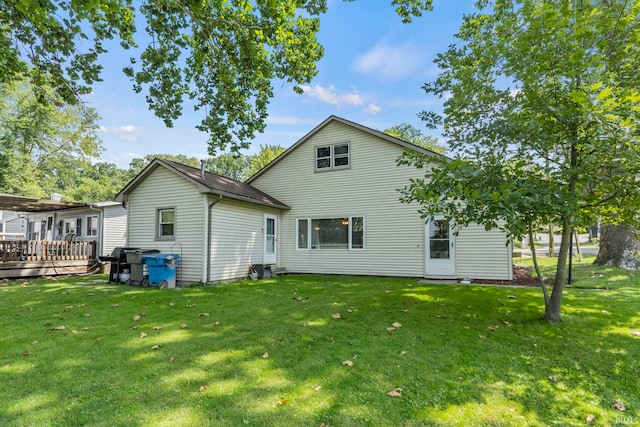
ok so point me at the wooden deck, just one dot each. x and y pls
(29, 258)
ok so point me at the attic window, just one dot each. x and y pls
(335, 156)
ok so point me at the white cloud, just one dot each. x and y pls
(390, 62)
(373, 109)
(126, 133)
(331, 95)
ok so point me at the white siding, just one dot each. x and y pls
(394, 232)
(115, 228)
(236, 238)
(165, 189)
(482, 254)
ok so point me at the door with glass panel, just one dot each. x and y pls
(439, 248)
(270, 233)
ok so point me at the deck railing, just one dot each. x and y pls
(46, 250)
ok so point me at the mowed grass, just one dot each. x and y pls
(274, 353)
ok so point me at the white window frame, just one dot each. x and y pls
(159, 224)
(349, 233)
(90, 230)
(69, 226)
(333, 156)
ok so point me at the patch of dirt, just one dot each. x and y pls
(522, 276)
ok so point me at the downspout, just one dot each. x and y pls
(208, 250)
(100, 246)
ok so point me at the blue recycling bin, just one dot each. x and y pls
(162, 269)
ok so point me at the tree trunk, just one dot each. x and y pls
(552, 308)
(620, 247)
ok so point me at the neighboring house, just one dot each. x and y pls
(104, 222)
(12, 225)
(329, 205)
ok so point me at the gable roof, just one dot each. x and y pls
(211, 183)
(349, 123)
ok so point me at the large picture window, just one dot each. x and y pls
(335, 156)
(331, 233)
(166, 223)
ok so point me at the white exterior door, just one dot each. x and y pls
(270, 233)
(440, 251)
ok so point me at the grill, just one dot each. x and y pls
(118, 260)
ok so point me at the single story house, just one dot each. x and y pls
(329, 205)
(104, 222)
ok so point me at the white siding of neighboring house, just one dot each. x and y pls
(166, 189)
(115, 228)
(394, 232)
(236, 238)
(13, 226)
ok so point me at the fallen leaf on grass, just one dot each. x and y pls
(391, 329)
(553, 379)
(349, 310)
(317, 388)
(84, 329)
(396, 325)
(190, 305)
(347, 363)
(157, 328)
(115, 305)
(203, 387)
(172, 359)
(590, 418)
(74, 332)
(481, 336)
(396, 392)
(283, 402)
(26, 353)
(203, 314)
(402, 353)
(511, 296)
(491, 328)
(183, 326)
(59, 328)
(216, 323)
(619, 406)
(336, 315)
(35, 343)
(635, 333)
(137, 317)
(265, 355)
(155, 347)
(467, 327)
(142, 335)
(97, 339)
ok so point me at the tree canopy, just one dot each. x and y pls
(219, 58)
(410, 133)
(542, 112)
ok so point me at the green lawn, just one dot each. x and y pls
(272, 353)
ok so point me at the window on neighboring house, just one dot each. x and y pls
(166, 223)
(79, 227)
(331, 233)
(335, 156)
(70, 226)
(92, 225)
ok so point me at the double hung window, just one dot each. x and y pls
(166, 223)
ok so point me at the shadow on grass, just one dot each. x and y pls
(273, 353)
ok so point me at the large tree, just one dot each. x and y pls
(542, 112)
(45, 147)
(218, 57)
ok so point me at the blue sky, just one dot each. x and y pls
(372, 73)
